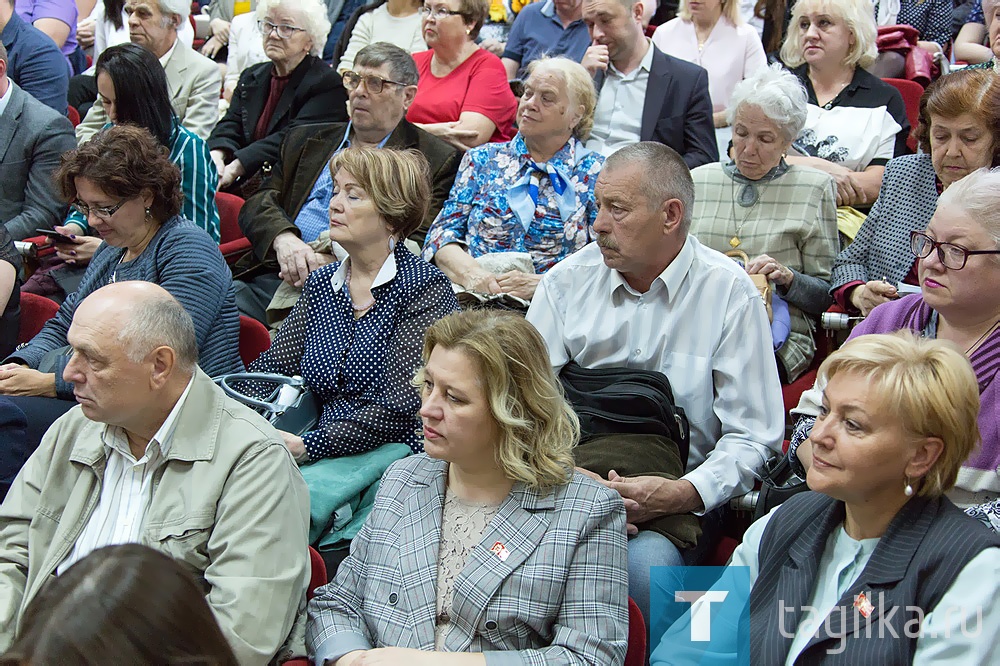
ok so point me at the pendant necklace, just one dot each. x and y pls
(749, 197)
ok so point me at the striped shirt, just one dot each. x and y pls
(127, 488)
(198, 181)
(703, 325)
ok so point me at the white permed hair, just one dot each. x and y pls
(978, 195)
(314, 19)
(179, 7)
(778, 94)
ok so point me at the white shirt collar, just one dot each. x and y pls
(671, 277)
(385, 274)
(166, 56)
(115, 437)
(5, 99)
(645, 64)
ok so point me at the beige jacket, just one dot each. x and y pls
(229, 504)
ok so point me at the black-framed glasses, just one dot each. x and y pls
(374, 83)
(437, 13)
(103, 213)
(283, 31)
(950, 255)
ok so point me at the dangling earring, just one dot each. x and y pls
(149, 213)
(392, 243)
(908, 489)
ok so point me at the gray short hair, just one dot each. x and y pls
(159, 321)
(401, 65)
(978, 195)
(579, 86)
(179, 7)
(665, 174)
(779, 95)
(314, 18)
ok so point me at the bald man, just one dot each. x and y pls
(157, 454)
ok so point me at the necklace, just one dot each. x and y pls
(747, 193)
(982, 337)
(357, 308)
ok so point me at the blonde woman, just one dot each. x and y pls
(856, 121)
(489, 543)
(712, 34)
(877, 541)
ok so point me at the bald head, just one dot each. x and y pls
(141, 316)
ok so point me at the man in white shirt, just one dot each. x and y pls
(156, 454)
(644, 94)
(194, 81)
(646, 295)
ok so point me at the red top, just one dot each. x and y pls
(479, 84)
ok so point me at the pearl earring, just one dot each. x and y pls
(908, 489)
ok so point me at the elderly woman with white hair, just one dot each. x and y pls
(533, 194)
(784, 216)
(856, 122)
(295, 88)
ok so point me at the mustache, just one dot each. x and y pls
(607, 242)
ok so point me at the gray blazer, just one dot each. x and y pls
(32, 138)
(559, 597)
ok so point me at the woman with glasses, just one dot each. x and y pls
(958, 268)
(463, 95)
(129, 191)
(398, 22)
(958, 132)
(295, 88)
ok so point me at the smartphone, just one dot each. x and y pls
(53, 236)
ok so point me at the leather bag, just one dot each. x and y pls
(291, 406)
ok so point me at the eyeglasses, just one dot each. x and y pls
(283, 31)
(950, 255)
(437, 14)
(104, 213)
(373, 83)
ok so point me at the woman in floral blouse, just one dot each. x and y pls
(533, 194)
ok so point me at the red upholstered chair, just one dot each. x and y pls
(254, 339)
(232, 243)
(73, 115)
(636, 654)
(35, 311)
(911, 92)
(317, 579)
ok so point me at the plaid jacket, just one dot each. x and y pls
(559, 597)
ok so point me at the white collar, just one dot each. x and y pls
(166, 56)
(385, 274)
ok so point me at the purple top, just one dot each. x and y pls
(910, 312)
(64, 10)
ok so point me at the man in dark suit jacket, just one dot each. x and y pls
(291, 206)
(632, 74)
(32, 138)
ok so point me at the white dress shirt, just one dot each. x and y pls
(127, 488)
(704, 326)
(618, 116)
(5, 98)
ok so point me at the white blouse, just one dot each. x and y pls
(850, 136)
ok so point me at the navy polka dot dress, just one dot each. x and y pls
(362, 368)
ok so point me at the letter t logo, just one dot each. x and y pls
(701, 610)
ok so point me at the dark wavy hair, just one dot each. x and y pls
(973, 91)
(126, 604)
(141, 94)
(124, 160)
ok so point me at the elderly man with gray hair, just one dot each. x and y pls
(156, 454)
(648, 296)
(194, 81)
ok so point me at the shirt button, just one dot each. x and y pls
(393, 598)
(638, 351)
(491, 625)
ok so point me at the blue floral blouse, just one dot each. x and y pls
(478, 215)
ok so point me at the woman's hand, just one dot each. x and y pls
(771, 269)
(482, 282)
(295, 446)
(219, 160)
(220, 30)
(850, 190)
(867, 296)
(79, 250)
(232, 171)
(17, 379)
(518, 284)
(85, 33)
(463, 139)
(211, 46)
(494, 46)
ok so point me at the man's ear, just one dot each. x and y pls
(673, 215)
(638, 8)
(164, 362)
(409, 92)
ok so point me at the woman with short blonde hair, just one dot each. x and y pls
(503, 547)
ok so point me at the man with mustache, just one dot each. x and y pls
(649, 296)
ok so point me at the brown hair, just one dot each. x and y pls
(396, 180)
(973, 91)
(126, 604)
(124, 160)
(475, 12)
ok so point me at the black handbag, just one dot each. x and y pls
(611, 401)
(291, 406)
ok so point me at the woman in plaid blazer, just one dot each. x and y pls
(488, 544)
